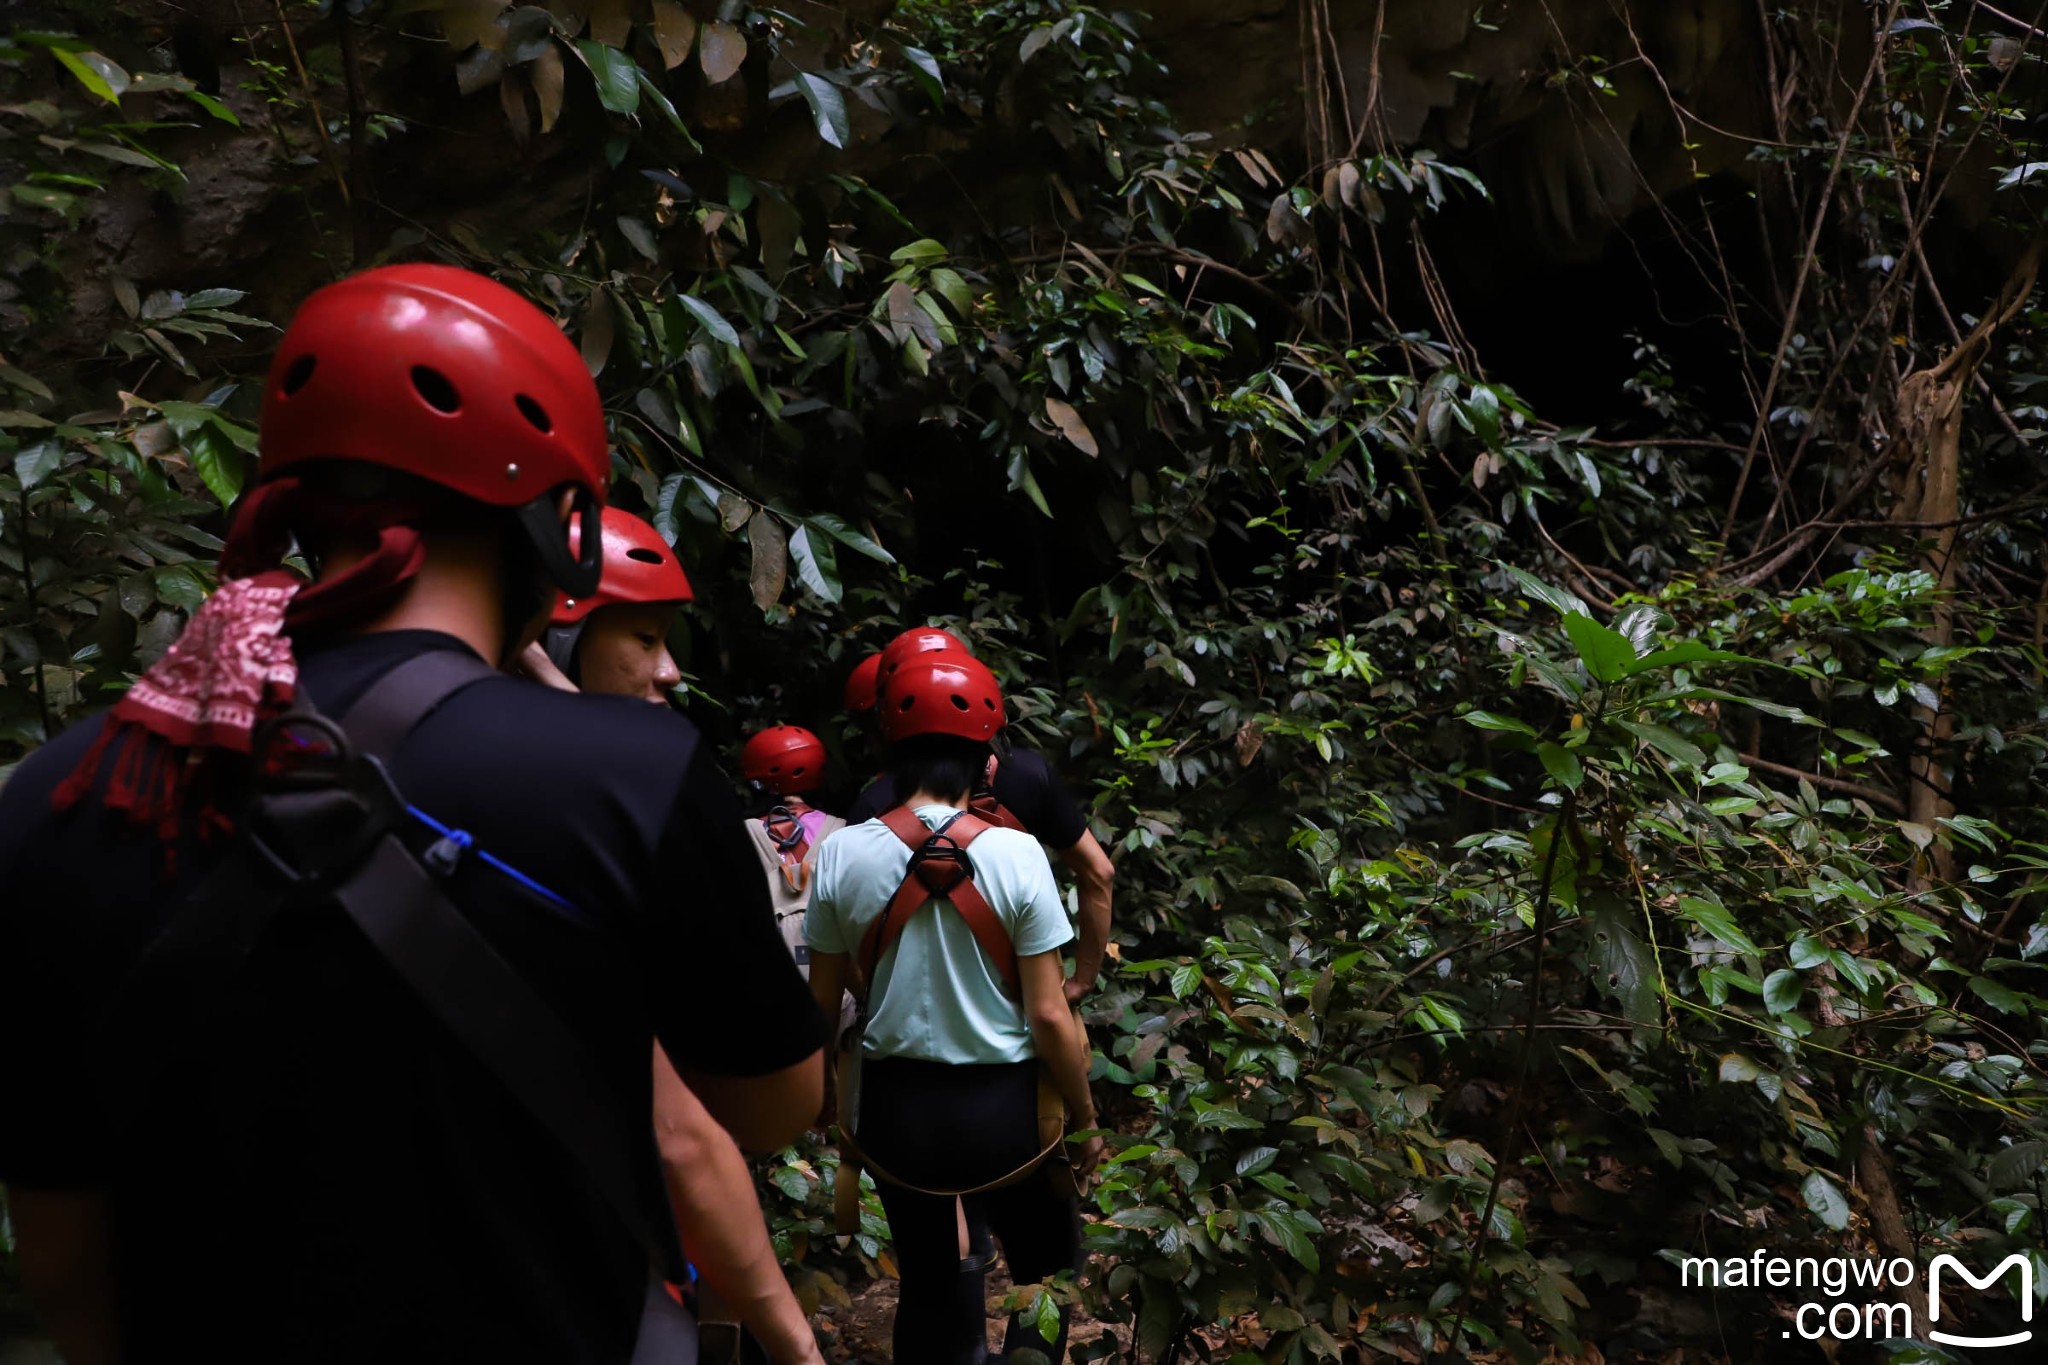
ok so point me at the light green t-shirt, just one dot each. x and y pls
(936, 997)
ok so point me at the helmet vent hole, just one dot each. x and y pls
(960, 703)
(534, 413)
(989, 702)
(433, 386)
(296, 375)
(644, 556)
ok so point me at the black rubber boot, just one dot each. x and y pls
(971, 1303)
(1023, 1340)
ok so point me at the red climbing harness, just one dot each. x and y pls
(940, 868)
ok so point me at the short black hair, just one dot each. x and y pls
(944, 765)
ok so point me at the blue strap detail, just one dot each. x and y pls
(454, 843)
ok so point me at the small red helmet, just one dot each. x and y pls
(639, 566)
(786, 759)
(860, 685)
(942, 693)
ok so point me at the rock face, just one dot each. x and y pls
(1570, 108)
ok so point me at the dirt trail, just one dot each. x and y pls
(860, 1335)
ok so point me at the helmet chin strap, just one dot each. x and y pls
(560, 644)
(576, 576)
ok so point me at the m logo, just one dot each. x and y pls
(2026, 1297)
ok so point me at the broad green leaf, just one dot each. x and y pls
(1667, 742)
(1717, 921)
(828, 107)
(1622, 965)
(847, 536)
(2004, 999)
(616, 74)
(927, 68)
(1826, 1200)
(1607, 654)
(1782, 990)
(924, 251)
(1807, 951)
(1488, 720)
(1561, 763)
(97, 73)
(816, 567)
(37, 462)
(651, 88)
(218, 463)
(713, 320)
(1689, 652)
(1566, 603)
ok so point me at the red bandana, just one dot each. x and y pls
(232, 668)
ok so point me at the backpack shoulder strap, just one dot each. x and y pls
(964, 896)
(396, 703)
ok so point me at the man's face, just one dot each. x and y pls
(624, 652)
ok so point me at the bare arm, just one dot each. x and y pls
(763, 1113)
(1058, 1040)
(719, 1218)
(64, 1250)
(1094, 875)
(829, 973)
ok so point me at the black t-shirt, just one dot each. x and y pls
(331, 1176)
(1025, 783)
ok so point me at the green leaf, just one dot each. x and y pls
(2001, 998)
(1826, 1201)
(1566, 603)
(1717, 921)
(1807, 951)
(1607, 654)
(1046, 1317)
(1184, 979)
(213, 107)
(1666, 741)
(617, 75)
(653, 91)
(928, 76)
(1291, 1230)
(923, 251)
(714, 321)
(218, 462)
(1739, 1069)
(1488, 720)
(816, 567)
(96, 73)
(216, 298)
(37, 462)
(1622, 965)
(850, 538)
(1690, 652)
(1782, 990)
(1561, 763)
(828, 107)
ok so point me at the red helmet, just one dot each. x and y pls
(639, 566)
(444, 374)
(943, 694)
(786, 759)
(860, 685)
(914, 644)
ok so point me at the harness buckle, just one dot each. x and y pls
(940, 865)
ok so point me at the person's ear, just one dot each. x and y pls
(565, 505)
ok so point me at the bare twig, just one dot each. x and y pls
(1873, 795)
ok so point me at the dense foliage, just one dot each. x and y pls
(1541, 851)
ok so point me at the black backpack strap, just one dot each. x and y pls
(330, 830)
(396, 703)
